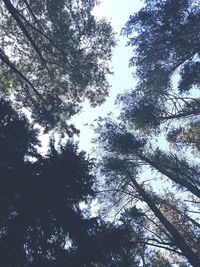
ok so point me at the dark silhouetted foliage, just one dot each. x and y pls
(41, 222)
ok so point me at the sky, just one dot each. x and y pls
(117, 12)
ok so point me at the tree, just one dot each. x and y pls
(165, 38)
(18, 138)
(137, 168)
(41, 222)
(125, 156)
(54, 56)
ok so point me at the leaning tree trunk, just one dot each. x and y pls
(177, 238)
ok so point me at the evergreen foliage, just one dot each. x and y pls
(54, 55)
(41, 222)
(161, 179)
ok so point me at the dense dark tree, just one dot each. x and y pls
(41, 222)
(54, 55)
(18, 137)
(17, 140)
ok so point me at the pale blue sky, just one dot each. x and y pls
(118, 12)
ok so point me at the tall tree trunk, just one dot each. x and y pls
(177, 238)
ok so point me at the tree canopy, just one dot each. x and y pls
(164, 35)
(148, 153)
(54, 56)
(169, 223)
(41, 223)
(145, 177)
